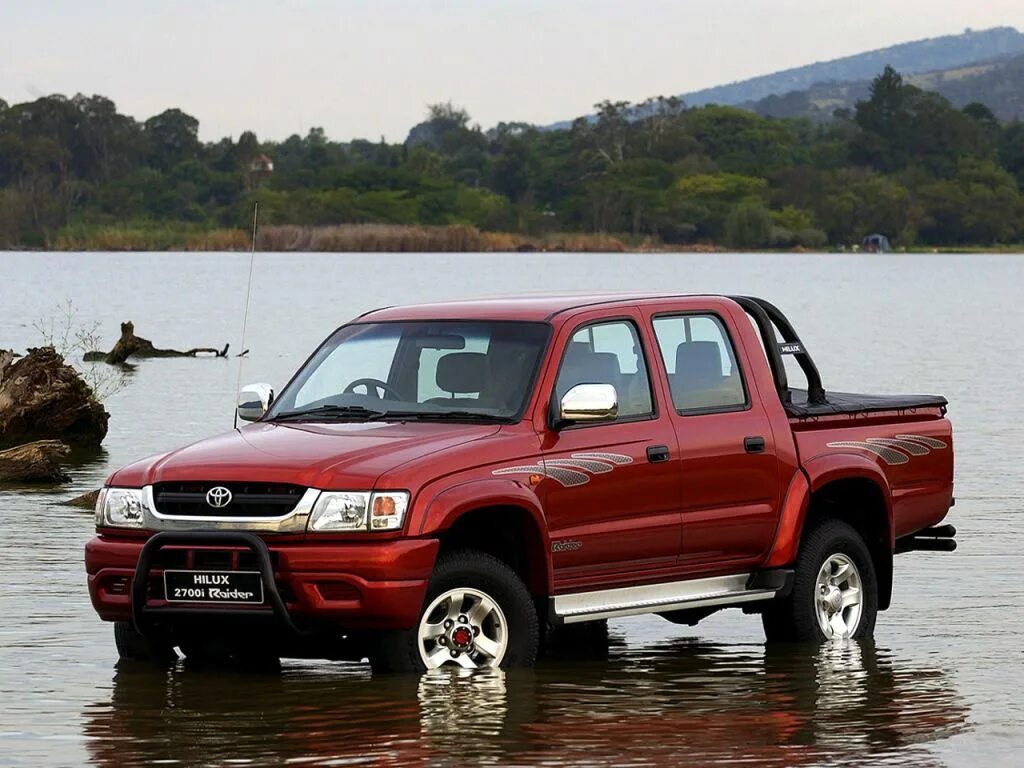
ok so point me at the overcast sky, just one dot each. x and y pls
(368, 68)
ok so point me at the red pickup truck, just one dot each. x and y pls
(461, 483)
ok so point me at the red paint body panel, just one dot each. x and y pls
(622, 524)
(918, 492)
(711, 508)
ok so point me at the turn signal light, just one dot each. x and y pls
(387, 510)
(383, 506)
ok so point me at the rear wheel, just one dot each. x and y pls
(835, 592)
(477, 613)
(134, 646)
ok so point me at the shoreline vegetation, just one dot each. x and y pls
(361, 238)
(400, 238)
(906, 164)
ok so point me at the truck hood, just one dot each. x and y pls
(328, 456)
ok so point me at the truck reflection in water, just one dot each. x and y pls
(676, 701)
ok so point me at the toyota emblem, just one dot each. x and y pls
(218, 497)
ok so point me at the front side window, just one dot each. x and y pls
(413, 369)
(608, 353)
(700, 363)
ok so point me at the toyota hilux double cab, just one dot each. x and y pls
(456, 483)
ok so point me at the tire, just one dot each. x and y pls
(804, 615)
(465, 586)
(133, 646)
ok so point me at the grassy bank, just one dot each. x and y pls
(392, 238)
(149, 237)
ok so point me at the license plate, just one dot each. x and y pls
(235, 587)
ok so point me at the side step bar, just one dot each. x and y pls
(941, 538)
(674, 596)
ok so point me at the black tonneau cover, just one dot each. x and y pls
(853, 403)
(815, 401)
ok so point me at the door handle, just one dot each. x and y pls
(753, 444)
(656, 453)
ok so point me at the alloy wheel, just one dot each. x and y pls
(838, 597)
(464, 627)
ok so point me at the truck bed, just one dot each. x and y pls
(852, 403)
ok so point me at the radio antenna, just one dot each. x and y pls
(248, 293)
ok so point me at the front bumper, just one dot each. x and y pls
(347, 585)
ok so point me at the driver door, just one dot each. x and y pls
(613, 488)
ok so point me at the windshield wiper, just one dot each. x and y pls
(330, 412)
(448, 416)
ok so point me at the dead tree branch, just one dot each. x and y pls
(130, 345)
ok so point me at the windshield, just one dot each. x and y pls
(429, 370)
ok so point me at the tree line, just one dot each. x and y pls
(904, 162)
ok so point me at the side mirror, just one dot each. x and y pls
(586, 403)
(254, 401)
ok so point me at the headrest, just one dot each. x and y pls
(606, 366)
(576, 352)
(460, 372)
(582, 366)
(699, 363)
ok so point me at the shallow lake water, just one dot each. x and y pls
(941, 684)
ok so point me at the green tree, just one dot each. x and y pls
(171, 137)
(1011, 150)
(903, 125)
(749, 225)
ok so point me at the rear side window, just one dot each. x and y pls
(700, 362)
(608, 353)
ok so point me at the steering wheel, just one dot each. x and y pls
(372, 385)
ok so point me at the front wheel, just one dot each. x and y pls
(835, 592)
(477, 613)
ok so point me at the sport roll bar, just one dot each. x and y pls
(767, 317)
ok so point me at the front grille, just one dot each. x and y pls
(247, 499)
(181, 558)
(184, 558)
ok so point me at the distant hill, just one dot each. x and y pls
(937, 53)
(841, 82)
(999, 87)
(996, 83)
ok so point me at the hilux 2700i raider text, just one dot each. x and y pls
(460, 483)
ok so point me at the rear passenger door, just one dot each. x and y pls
(728, 465)
(612, 492)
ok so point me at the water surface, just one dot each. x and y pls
(940, 684)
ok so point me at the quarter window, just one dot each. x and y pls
(608, 353)
(700, 362)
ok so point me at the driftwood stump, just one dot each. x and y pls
(86, 500)
(34, 461)
(130, 345)
(6, 358)
(42, 398)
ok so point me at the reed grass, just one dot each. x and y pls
(395, 238)
(342, 238)
(121, 238)
(219, 240)
(352, 238)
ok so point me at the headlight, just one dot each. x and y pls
(358, 511)
(339, 512)
(119, 507)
